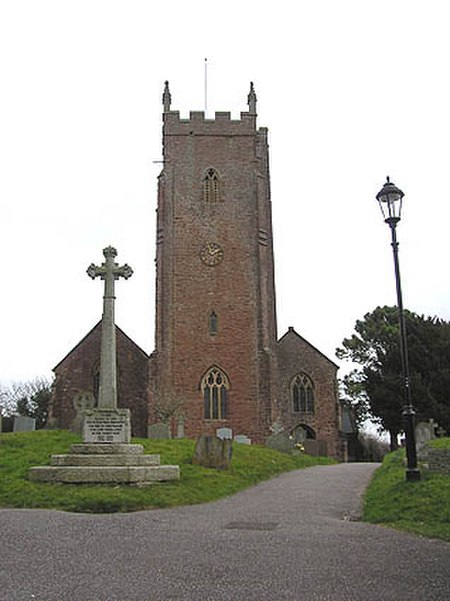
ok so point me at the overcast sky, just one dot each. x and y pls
(351, 91)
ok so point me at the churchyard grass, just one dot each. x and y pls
(420, 507)
(440, 443)
(19, 452)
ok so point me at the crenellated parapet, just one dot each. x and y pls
(199, 124)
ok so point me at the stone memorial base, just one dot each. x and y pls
(106, 425)
(105, 463)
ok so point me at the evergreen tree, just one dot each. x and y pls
(376, 388)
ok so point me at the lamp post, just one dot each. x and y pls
(390, 200)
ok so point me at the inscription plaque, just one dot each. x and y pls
(106, 425)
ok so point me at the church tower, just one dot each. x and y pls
(214, 363)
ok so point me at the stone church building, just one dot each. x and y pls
(217, 360)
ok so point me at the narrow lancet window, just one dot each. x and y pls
(213, 323)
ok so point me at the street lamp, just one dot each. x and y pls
(390, 200)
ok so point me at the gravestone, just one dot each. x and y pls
(280, 442)
(276, 427)
(180, 427)
(242, 439)
(7, 424)
(158, 430)
(316, 448)
(105, 454)
(224, 433)
(211, 451)
(425, 431)
(24, 424)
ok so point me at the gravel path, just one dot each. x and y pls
(293, 538)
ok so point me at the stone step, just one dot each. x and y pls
(105, 460)
(108, 448)
(105, 474)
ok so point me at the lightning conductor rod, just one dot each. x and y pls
(206, 86)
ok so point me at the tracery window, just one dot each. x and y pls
(211, 186)
(302, 393)
(215, 388)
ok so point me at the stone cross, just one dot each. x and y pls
(109, 271)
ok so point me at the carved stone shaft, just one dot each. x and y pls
(109, 271)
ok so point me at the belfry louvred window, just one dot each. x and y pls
(215, 388)
(303, 394)
(211, 186)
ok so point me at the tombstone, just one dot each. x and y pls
(276, 427)
(180, 427)
(280, 442)
(24, 424)
(242, 439)
(82, 401)
(425, 431)
(315, 448)
(7, 424)
(224, 433)
(159, 430)
(211, 451)
(300, 434)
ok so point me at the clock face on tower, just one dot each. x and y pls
(211, 253)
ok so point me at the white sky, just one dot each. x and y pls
(351, 91)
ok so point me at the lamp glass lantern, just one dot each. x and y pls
(390, 199)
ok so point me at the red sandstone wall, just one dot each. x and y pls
(239, 289)
(296, 355)
(76, 373)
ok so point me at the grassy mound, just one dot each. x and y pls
(420, 507)
(19, 452)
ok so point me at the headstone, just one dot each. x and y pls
(159, 430)
(224, 433)
(276, 427)
(299, 434)
(315, 448)
(7, 424)
(24, 424)
(211, 451)
(425, 431)
(242, 439)
(81, 402)
(423, 434)
(180, 427)
(280, 442)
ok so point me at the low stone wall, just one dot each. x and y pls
(439, 461)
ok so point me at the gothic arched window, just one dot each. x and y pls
(211, 186)
(215, 394)
(302, 393)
